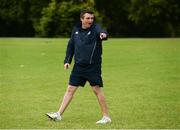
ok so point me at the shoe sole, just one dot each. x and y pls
(104, 123)
(50, 117)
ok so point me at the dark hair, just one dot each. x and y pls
(89, 11)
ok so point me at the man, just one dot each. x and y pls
(85, 45)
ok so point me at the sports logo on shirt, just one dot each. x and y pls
(76, 32)
(89, 33)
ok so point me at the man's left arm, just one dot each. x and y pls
(103, 35)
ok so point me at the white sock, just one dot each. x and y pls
(106, 117)
(58, 113)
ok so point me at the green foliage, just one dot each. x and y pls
(59, 17)
(159, 16)
(121, 18)
(17, 17)
(12, 13)
(46, 20)
(115, 16)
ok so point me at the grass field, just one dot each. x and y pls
(141, 84)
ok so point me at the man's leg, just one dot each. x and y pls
(67, 98)
(101, 99)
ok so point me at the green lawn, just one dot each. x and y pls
(141, 84)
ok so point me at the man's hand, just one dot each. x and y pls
(103, 36)
(66, 66)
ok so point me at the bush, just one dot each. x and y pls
(59, 17)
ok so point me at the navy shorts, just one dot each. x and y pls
(83, 73)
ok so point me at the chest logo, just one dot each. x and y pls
(76, 32)
(89, 33)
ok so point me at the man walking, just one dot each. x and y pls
(85, 45)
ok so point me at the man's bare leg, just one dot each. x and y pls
(67, 98)
(101, 99)
(102, 102)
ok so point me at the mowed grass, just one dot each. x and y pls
(141, 84)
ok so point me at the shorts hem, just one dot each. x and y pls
(97, 85)
(75, 85)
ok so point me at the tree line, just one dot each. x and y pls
(121, 18)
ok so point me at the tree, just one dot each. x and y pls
(115, 17)
(122, 18)
(156, 17)
(59, 17)
(17, 17)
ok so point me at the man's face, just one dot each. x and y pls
(87, 20)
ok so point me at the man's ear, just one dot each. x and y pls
(81, 19)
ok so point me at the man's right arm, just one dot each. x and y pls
(69, 52)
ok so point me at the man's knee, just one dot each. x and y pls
(71, 89)
(96, 89)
